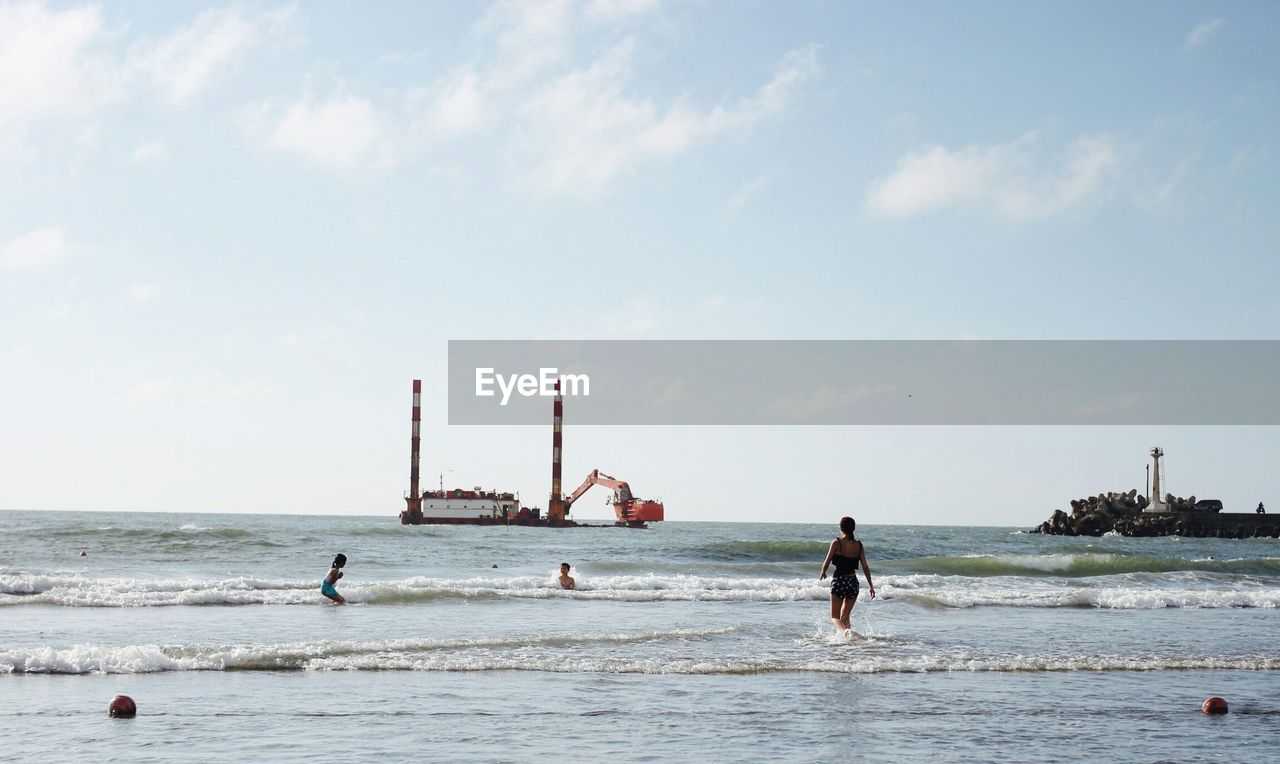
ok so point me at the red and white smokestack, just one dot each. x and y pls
(415, 497)
(555, 507)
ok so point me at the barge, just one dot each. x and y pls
(484, 507)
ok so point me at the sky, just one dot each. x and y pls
(231, 235)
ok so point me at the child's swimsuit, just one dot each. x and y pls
(327, 589)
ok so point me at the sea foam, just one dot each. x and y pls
(929, 590)
(515, 654)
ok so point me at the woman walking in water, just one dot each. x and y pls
(846, 552)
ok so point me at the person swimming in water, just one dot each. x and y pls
(335, 572)
(846, 552)
(566, 580)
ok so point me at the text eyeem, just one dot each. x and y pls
(542, 384)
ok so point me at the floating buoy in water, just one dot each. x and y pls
(122, 707)
(1214, 705)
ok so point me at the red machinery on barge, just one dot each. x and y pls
(480, 507)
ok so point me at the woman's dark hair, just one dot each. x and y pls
(339, 560)
(847, 526)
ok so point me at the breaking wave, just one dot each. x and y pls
(69, 590)
(1106, 599)
(512, 654)
(77, 591)
(1081, 565)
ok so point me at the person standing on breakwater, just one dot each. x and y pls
(1261, 509)
(846, 552)
(335, 572)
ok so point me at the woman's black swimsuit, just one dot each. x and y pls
(845, 582)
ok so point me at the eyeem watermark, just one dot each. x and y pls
(867, 382)
(542, 384)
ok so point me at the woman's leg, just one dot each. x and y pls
(846, 608)
(837, 603)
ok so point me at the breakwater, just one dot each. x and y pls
(1123, 513)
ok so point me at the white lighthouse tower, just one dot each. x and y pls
(1155, 502)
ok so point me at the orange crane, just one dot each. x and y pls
(631, 511)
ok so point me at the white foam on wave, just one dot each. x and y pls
(1047, 563)
(843, 665)
(1115, 598)
(83, 591)
(74, 590)
(512, 654)
(930, 590)
(318, 655)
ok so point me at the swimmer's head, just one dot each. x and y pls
(847, 526)
(564, 568)
(339, 561)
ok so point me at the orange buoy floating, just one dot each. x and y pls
(122, 707)
(1214, 705)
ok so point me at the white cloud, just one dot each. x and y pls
(635, 317)
(160, 389)
(1203, 33)
(40, 248)
(530, 35)
(313, 337)
(613, 11)
(60, 67)
(340, 132)
(14, 355)
(1166, 190)
(746, 192)
(583, 129)
(60, 309)
(149, 392)
(153, 151)
(564, 128)
(213, 393)
(52, 64)
(1017, 180)
(797, 68)
(216, 42)
(459, 105)
(142, 292)
(1248, 157)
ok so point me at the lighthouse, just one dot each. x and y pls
(1155, 501)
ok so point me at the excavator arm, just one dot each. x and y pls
(629, 510)
(599, 478)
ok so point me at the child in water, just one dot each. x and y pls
(335, 572)
(566, 580)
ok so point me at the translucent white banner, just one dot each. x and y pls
(873, 382)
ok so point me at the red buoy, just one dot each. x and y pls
(122, 707)
(1214, 705)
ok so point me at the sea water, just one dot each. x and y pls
(686, 641)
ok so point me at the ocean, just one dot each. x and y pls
(683, 642)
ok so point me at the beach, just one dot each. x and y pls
(686, 640)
